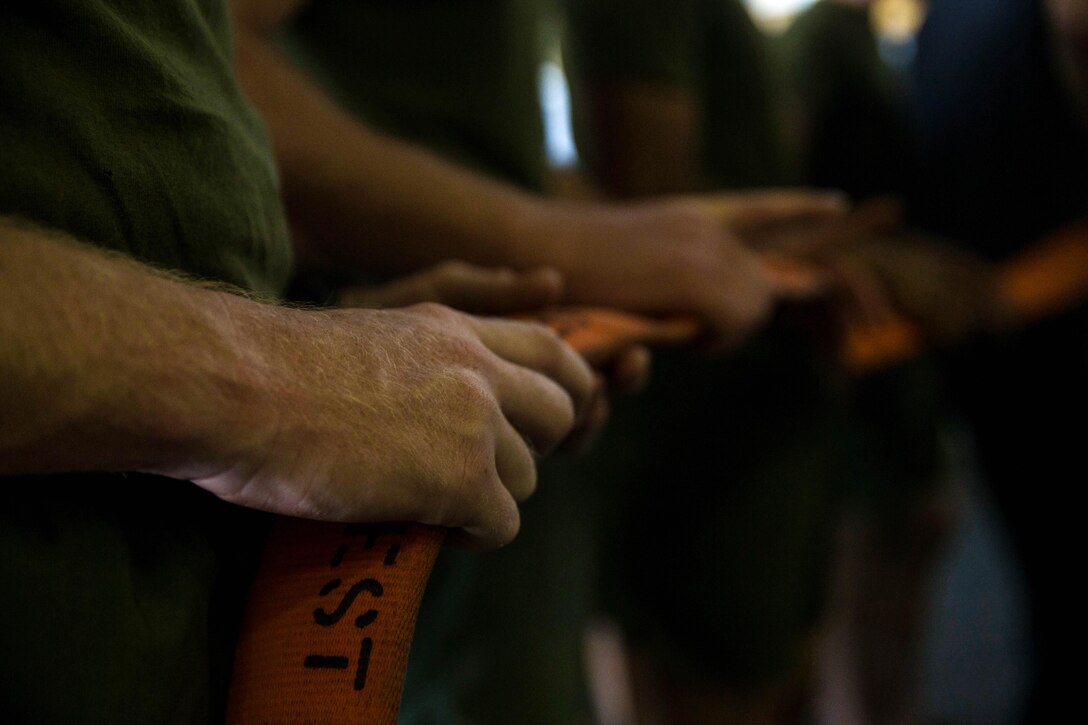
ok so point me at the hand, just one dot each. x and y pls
(502, 291)
(876, 272)
(851, 293)
(464, 287)
(681, 256)
(422, 414)
(946, 291)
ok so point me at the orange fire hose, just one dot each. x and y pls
(330, 616)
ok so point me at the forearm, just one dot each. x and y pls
(365, 199)
(107, 365)
(372, 202)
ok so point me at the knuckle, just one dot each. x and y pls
(461, 346)
(435, 311)
(472, 397)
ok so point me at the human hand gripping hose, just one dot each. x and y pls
(1043, 280)
(330, 616)
(329, 621)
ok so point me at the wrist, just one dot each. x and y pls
(219, 398)
(547, 232)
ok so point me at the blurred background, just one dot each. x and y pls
(866, 514)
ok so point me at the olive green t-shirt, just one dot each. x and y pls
(120, 124)
(459, 78)
(755, 439)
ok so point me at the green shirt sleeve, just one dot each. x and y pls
(459, 78)
(121, 124)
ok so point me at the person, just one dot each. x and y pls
(156, 402)
(346, 184)
(457, 80)
(678, 97)
(701, 71)
(901, 506)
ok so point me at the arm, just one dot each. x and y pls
(108, 365)
(347, 187)
(345, 183)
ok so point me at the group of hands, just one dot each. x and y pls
(424, 401)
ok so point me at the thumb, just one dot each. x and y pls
(466, 287)
(487, 291)
(750, 210)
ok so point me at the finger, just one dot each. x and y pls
(585, 435)
(538, 348)
(816, 239)
(750, 210)
(499, 522)
(401, 292)
(534, 404)
(497, 291)
(599, 335)
(464, 287)
(491, 518)
(515, 463)
(630, 371)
